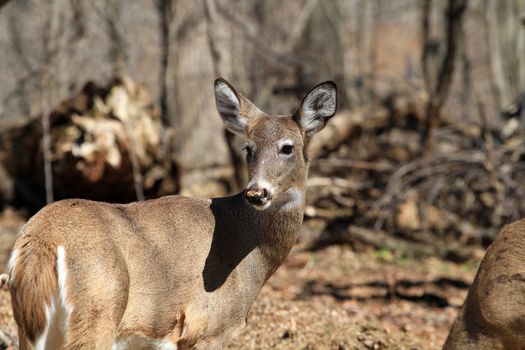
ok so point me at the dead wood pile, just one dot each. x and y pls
(377, 187)
(107, 143)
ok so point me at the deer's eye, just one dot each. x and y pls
(286, 150)
(248, 150)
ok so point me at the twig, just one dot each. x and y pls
(46, 141)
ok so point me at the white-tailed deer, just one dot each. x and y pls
(175, 272)
(493, 315)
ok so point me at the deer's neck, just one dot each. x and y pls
(278, 228)
(263, 237)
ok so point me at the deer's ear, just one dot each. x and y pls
(228, 103)
(317, 107)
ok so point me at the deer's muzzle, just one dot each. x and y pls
(258, 197)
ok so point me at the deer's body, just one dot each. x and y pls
(171, 273)
(188, 274)
(493, 315)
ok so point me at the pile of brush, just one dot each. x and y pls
(106, 143)
(379, 188)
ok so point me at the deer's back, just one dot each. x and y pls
(152, 232)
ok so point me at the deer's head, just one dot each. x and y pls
(276, 144)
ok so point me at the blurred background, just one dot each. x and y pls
(409, 183)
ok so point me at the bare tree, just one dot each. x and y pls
(438, 80)
(117, 55)
(506, 37)
(210, 14)
(46, 142)
(79, 18)
(165, 10)
(52, 31)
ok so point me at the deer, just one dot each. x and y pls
(174, 272)
(493, 314)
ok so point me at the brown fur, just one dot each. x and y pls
(33, 283)
(176, 268)
(493, 315)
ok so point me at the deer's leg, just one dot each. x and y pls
(90, 331)
(96, 313)
(98, 299)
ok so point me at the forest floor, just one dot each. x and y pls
(333, 298)
(338, 299)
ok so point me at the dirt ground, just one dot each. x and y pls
(333, 298)
(338, 299)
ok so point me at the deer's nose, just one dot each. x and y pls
(257, 195)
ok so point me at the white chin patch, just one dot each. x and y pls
(291, 199)
(263, 206)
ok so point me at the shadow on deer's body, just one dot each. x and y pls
(174, 272)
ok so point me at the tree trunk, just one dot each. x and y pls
(165, 13)
(506, 34)
(438, 86)
(117, 55)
